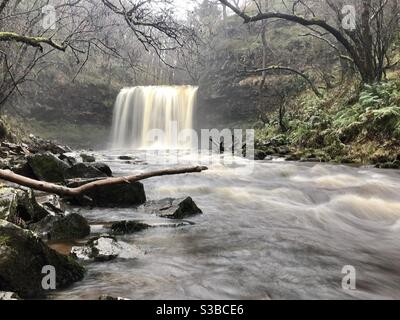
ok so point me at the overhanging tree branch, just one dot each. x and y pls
(367, 45)
(300, 20)
(36, 42)
(281, 68)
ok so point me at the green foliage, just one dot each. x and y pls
(370, 125)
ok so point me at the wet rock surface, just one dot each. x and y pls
(128, 227)
(22, 258)
(106, 248)
(62, 227)
(20, 206)
(103, 168)
(131, 227)
(48, 167)
(83, 171)
(173, 208)
(117, 196)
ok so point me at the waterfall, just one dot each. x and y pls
(141, 110)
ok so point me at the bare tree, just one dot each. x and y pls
(153, 23)
(82, 29)
(367, 45)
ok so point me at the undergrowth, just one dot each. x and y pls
(348, 125)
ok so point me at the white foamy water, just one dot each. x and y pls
(283, 232)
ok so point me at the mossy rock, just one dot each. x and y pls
(20, 206)
(69, 227)
(22, 258)
(47, 167)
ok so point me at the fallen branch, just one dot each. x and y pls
(10, 176)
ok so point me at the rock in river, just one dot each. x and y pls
(83, 171)
(117, 196)
(173, 208)
(103, 168)
(130, 227)
(22, 258)
(106, 248)
(62, 227)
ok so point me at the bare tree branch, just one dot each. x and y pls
(280, 68)
(36, 42)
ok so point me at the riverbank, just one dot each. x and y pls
(35, 226)
(349, 125)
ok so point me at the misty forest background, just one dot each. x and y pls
(311, 88)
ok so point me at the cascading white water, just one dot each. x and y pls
(140, 110)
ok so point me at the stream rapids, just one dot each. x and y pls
(284, 231)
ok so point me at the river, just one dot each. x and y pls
(284, 231)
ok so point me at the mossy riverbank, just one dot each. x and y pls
(350, 125)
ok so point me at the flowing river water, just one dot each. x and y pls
(284, 231)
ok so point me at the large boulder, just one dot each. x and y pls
(68, 159)
(106, 248)
(62, 227)
(20, 206)
(47, 167)
(103, 168)
(113, 196)
(83, 171)
(173, 208)
(22, 259)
